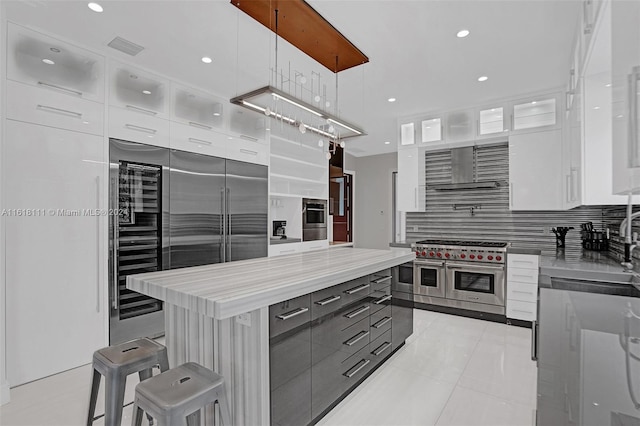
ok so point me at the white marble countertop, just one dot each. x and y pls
(227, 289)
(592, 265)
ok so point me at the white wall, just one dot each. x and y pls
(4, 385)
(373, 204)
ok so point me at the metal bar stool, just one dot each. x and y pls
(176, 397)
(115, 363)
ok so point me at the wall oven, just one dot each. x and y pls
(429, 278)
(314, 219)
(475, 283)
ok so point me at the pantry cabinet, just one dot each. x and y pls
(411, 180)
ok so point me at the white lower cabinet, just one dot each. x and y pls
(315, 245)
(55, 264)
(287, 248)
(522, 287)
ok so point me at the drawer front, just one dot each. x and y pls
(521, 310)
(247, 151)
(194, 139)
(524, 292)
(330, 331)
(49, 108)
(138, 127)
(289, 355)
(356, 367)
(327, 300)
(380, 348)
(379, 299)
(380, 280)
(380, 322)
(289, 314)
(355, 338)
(525, 261)
(282, 249)
(356, 290)
(522, 275)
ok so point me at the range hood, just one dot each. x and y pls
(463, 172)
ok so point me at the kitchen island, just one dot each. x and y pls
(219, 315)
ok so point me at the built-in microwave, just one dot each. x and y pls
(314, 219)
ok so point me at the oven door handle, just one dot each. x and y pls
(418, 263)
(472, 266)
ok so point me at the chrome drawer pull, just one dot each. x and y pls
(356, 338)
(59, 111)
(383, 347)
(357, 289)
(292, 314)
(249, 138)
(382, 299)
(53, 86)
(382, 322)
(194, 140)
(146, 111)
(357, 312)
(381, 280)
(141, 129)
(328, 300)
(352, 372)
(520, 310)
(200, 126)
(248, 151)
(522, 275)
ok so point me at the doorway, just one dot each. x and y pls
(340, 207)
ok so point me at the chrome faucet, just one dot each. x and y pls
(631, 238)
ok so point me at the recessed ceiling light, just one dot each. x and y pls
(493, 109)
(607, 85)
(387, 143)
(596, 107)
(533, 103)
(391, 99)
(462, 33)
(207, 60)
(48, 61)
(95, 7)
(216, 114)
(146, 92)
(619, 116)
(483, 78)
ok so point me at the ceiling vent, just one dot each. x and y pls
(125, 46)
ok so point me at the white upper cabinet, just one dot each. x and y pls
(625, 43)
(431, 130)
(407, 134)
(138, 91)
(247, 124)
(460, 126)
(197, 109)
(43, 61)
(411, 180)
(533, 113)
(491, 121)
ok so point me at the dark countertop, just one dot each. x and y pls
(516, 250)
(273, 241)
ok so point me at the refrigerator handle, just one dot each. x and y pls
(223, 226)
(228, 216)
(99, 245)
(114, 238)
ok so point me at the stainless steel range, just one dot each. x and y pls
(460, 274)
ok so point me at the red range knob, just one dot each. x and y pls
(462, 256)
(447, 255)
(439, 254)
(472, 256)
(417, 252)
(479, 257)
(498, 258)
(431, 254)
(490, 257)
(424, 253)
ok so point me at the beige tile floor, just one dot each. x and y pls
(452, 371)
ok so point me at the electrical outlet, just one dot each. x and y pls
(244, 319)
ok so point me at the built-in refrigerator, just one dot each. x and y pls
(176, 209)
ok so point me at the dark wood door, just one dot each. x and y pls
(340, 193)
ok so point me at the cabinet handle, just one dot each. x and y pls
(634, 152)
(292, 314)
(200, 141)
(415, 198)
(64, 89)
(382, 299)
(523, 292)
(355, 339)
(59, 111)
(328, 300)
(138, 109)
(381, 280)
(526, 262)
(520, 310)
(383, 347)
(248, 151)
(568, 188)
(522, 275)
(534, 341)
(287, 251)
(357, 312)
(99, 245)
(141, 129)
(249, 138)
(356, 368)
(115, 218)
(200, 126)
(381, 323)
(511, 195)
(357, 289)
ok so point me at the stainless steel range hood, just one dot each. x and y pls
(464, 173)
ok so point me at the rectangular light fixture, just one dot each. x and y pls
(262, 100)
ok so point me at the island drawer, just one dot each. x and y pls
(380, 348)
(380, 299)
(289, 314)
(381, 279)
(356, 289)
(380, 322)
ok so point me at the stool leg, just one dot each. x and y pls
(95, 386)
(163, 360)
(193, 419)
(115, 398)
(136, 417)
(224, 406)
(144, 375)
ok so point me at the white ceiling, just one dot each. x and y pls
(521, 45)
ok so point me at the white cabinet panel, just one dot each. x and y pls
(535, 113)
(535, 171)
(196, 108)
(131, 126)
(54, 268)
(34, 105)
(523, 292)
(411, 186)
(43, 61)
(460, 126)
(529, 276)
(282, 249)
(525, 311)
(314, 245)
(138, 91)
(246, 123)
(247, 150)
(407, 134)
(523, 261)
(194, 139)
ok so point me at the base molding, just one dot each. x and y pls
(4, 393)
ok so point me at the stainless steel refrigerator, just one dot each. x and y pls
(176, 209)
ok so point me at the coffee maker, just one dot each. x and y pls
(279, 228)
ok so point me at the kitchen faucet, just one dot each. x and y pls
(630, 239)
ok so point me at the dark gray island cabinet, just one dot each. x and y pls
(323, 344)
